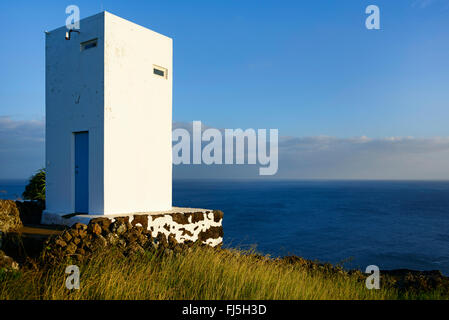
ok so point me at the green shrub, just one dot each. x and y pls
(35, 190)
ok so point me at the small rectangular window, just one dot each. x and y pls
(88, 44)
(162, 72)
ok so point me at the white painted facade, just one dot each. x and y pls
(112, 92)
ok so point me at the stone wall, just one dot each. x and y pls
(184, 225)
(172, 232)
(205, 227)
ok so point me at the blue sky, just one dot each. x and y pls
(307, 68)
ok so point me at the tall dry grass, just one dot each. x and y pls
(202, 273)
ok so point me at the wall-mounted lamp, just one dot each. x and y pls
(67, 34)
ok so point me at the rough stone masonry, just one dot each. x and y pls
(183, 224)
(170, 232)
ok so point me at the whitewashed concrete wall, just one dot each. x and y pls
(138, 119)
(74, 102)
(111, 92)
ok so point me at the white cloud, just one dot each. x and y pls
(427, 3)
(324, 157)
(21, 147)
(364, 158)
(422, 3)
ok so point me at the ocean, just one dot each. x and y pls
(391, 224)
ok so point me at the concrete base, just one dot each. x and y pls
(185, 224)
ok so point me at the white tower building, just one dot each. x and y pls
(108, 119)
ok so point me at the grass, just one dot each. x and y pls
(202, 273)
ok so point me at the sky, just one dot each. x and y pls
(310, 69)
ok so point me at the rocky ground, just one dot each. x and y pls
(9, 216)
(9, 222)
(401, 279)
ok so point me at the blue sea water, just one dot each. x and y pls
(12, 189)
(391, 224)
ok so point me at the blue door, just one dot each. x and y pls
(81, 172)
